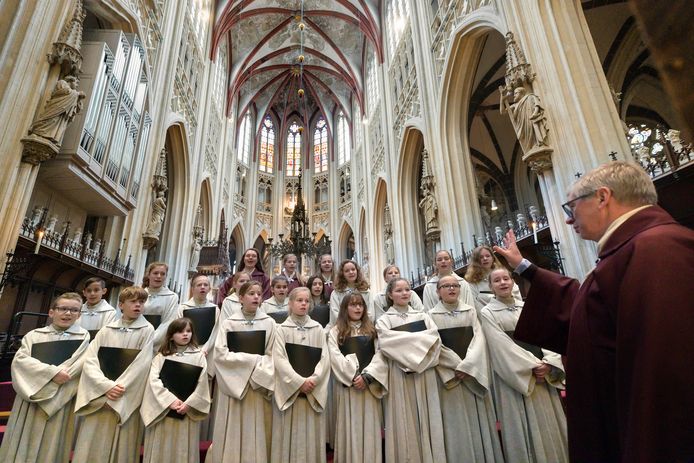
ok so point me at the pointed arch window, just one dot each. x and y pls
(243, 147)
(397, 16)
(293, 150)
(320, 147)
(344, 148)
(267, 145)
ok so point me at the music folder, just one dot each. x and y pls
(153, 319)
(533, 349)
(457, 339)
(113, 361)
(92, 334)
(363, 346)
(55, 352)
(412, 327)
(280, 316)
(250, 342)
(303, 359)
(180, 379)
(203, 319)
(321, 314)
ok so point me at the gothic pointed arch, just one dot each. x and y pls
(383, 243)
(345, 243)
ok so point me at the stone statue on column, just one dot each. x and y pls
(388, 232)
(526, 112)
(430, 209)
(46, 132)
(156, 219)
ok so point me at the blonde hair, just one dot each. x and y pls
(68, 296)
(629, 183)
(475, 272)
(150, 267)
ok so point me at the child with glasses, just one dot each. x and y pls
(45, 372)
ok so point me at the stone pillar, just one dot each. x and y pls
(31, 78)
(582, 121)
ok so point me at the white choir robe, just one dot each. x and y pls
(483, 294)
(469, 420)
(243, 420)
(112, 429)
(162, 302)
(431, 297)
(171, 439)
(381, 304)
(533, 424)
(94, 317)
(41, 424)
(230, 305)
(208, 347)
(272, 306)
(336, 299)
(413, 423)
(359, 416)
(298, 425)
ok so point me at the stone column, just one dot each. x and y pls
(34, 27)
(582, 121)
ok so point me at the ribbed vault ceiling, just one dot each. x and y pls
(264, 40)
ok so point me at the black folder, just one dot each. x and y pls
(321, 314)
(363, 346)
(250, 342)
(92, 334)
(154, 320)
(279, 317)
(303, 358)
(412, 327)
(180, 379)
(457, 339)
(55, 352)
(203, 319)
(533, 349)
(113, 361)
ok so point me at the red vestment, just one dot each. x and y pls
(628, 334)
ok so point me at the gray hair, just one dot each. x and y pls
(629, 183)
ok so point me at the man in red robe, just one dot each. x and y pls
(628, 329)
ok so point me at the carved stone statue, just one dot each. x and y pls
(195, 255)
(389, 248)
(36, 215)
(528, 118)
(52, 223)
(430, 209)
(97, 246)
(88, 240)
(157, 218)
(60, 110)
(77, 237)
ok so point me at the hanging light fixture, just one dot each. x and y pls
(494, 206)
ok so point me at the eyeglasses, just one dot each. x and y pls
(451, 286)
(71, 310)
(569, 205)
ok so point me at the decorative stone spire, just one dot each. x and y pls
(66, 51)
(518, 70)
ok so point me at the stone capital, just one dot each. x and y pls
(539, 159)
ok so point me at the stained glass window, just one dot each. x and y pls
(320, 147)
(293, 150)
(267, 145)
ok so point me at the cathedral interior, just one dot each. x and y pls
(186, 131)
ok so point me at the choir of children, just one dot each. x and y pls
(442, 383)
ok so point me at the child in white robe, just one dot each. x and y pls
(358, 388)
(349, 279)
(482, 262)
(231, 302)
(413, 424)
(96, 311)
(243, 420)
(162, 303)
(380, 303)
(444, 266)
(469, 420)
(278, 302)
(176, 438)
(41, 424)
(112, 428)
(298, 425)
(526, 387)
